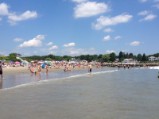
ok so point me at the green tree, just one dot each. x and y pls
(51, 56)
(121, 56)
(48, 59)
(144, 57)
(126, 55)
(67, 58)
(156, 55)
(131, 55)
(139, 57)
(106, 58)
(112, 57)
(12, 56)
(3, 57)
(100, 58)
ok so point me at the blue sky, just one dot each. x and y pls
(75, 27)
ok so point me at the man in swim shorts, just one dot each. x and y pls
(90, 68)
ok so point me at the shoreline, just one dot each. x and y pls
(19, 70)
(21, 76)
(130, 64)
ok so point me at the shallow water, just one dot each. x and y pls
(18, 79)
(123, 94)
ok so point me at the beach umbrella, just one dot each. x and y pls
(43, 65)
(17, 62)
(40, 62)
(48, 63)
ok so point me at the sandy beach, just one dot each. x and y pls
(19, 70)
(12, 70)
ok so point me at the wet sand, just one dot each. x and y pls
(119, 95)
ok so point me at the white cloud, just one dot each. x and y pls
(108, 30)
(103, 21)
(135, 43)
(143, 13)
(4, 9)
(79, 1)
(53, 47)
(147, 15)
(156, 4)
(69, 44)
(117, 37)
(150, 17)
(110, 51)
(79, 51)
(75, 51)
(35, 42)
(50, 43)
(18, 39)
(107, 38)
(13, 18)
(88, 9)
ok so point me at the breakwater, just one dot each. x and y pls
(119, 64)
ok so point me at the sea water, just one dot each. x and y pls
(21, 79)
(105, 94)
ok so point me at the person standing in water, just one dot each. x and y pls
(90, 68)
(1, 70)
(47, 68)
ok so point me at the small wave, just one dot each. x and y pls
(57, 79)
(155, 67)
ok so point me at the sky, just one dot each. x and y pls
(78, 27)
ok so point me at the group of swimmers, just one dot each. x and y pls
(68, 67)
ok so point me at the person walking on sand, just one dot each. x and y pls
(1, 70)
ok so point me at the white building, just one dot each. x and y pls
(152, 58)
(129, 61)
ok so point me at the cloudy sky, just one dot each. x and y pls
(75, 27)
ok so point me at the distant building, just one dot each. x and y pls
(153, 58)
(73, 61)
(129, 61)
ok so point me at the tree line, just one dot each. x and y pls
(100, 58)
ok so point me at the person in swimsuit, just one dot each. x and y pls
(90, 68)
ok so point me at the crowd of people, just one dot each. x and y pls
(36, 67)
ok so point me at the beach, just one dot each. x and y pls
(111, 94)
(19, 70)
